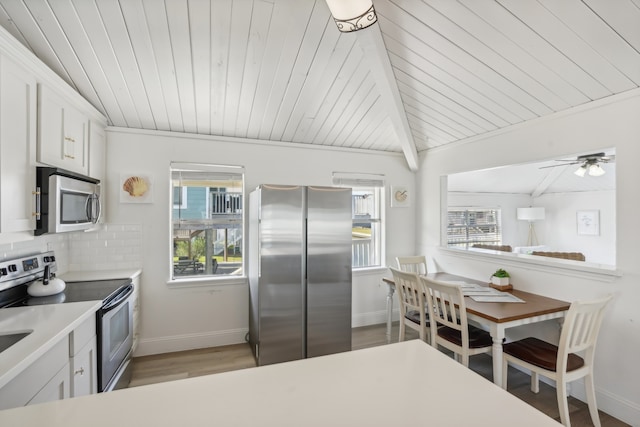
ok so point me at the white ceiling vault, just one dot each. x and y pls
(280, 70)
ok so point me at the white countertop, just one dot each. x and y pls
(81, 276)
(357, 388)
(49, 323)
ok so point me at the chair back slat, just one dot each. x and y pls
(409, 290)
(447, 307)
(581, 327)
(413, 264)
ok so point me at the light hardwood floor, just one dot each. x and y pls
(193, 363)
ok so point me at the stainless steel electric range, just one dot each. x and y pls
(114, 320)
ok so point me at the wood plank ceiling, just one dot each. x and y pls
(279, 70)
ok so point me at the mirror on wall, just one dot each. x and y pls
(562, 208)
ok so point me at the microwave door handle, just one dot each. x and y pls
(89, 208)
(98, 207)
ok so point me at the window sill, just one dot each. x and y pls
(201, 282)
(366, 271)
(586, 270)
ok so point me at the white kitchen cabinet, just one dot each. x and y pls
(56, 389)
(83, 370)
(62, 133)
(68, 369)
(41, 381)
(83, 359)
(18, 100)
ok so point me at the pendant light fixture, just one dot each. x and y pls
(352, 15)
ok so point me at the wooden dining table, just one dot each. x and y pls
(496, 316)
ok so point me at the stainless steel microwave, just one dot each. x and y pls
(65, 201)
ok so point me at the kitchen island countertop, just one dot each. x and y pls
(356, 388)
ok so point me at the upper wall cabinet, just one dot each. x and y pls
(17, 150)
(62, 134)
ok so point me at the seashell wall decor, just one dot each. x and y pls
(135, 188)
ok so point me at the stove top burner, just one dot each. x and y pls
(99, 290)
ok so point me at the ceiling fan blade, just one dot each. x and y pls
(563, 164)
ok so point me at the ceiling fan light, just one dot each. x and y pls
(581, 171)
(596, 170)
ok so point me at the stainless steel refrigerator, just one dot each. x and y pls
(299, 272)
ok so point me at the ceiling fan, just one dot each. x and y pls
(587, 162)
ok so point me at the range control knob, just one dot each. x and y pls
(46, 259)
(13, 268)
(3, 271)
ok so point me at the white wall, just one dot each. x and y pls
(182, 317)
(559, 228)
(605, 124)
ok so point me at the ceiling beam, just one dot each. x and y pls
(371, 42)
(549, 179)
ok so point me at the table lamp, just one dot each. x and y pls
(531, 214)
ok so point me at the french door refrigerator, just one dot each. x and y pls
(299, 272)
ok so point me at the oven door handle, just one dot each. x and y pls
(116, 302)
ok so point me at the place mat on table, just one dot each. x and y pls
(496, 297)
(472, 289)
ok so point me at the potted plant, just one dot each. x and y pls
(500, 277)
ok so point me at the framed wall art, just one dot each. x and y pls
(136, 188)
(400, 196)
(588, 223)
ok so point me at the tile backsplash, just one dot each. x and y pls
(114, 246)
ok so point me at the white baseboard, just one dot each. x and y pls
(175, 343)
(371, 318)
(612, 404)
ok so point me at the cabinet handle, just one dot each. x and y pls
(68, 138)
(79, 371)
(37, 194)
(68, 156)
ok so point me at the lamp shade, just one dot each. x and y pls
(352, 15)
(530, 214)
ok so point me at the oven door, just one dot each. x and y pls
(116, 338)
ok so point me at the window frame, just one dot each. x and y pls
(199, 279)
(497, 211)
(377, 235)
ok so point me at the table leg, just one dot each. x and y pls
(390, 290)
(497, 333)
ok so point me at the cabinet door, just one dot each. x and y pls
(84, 370)
(75, 140)
(56, 389)
(17, 147)
(62, 136)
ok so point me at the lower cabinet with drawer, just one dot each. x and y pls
(68, 369)
(46, 379)
(83, 359)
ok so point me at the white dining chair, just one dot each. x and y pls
(449, 325)
(561, 363)
(412, 304)
(415, 264)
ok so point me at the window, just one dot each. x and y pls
(366, 231)
(468, 226)
(366, 202)
(206, 220)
